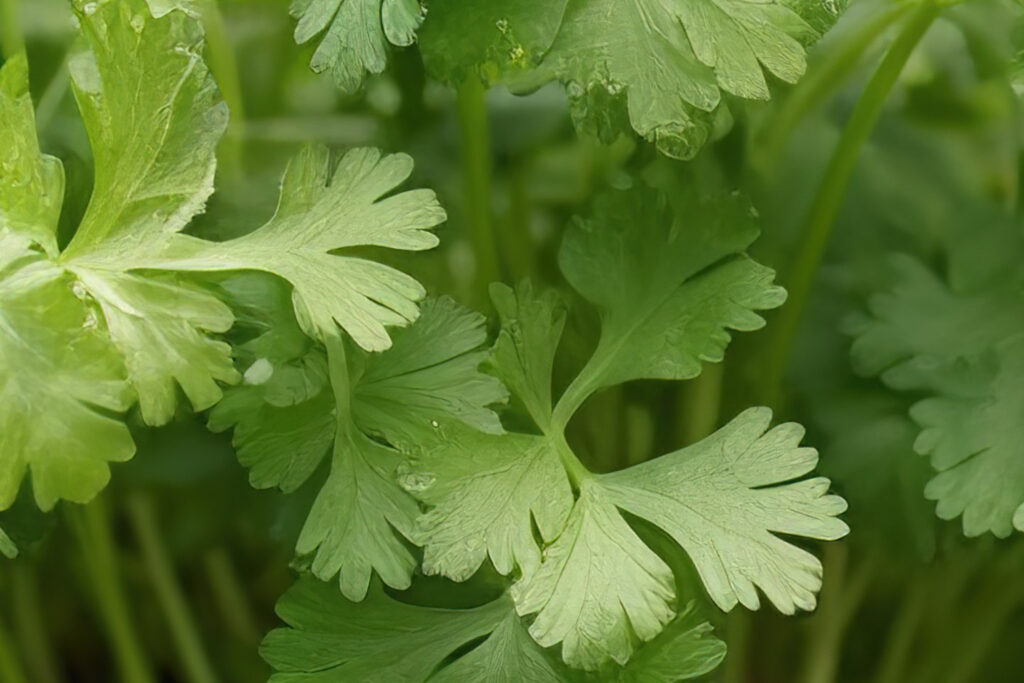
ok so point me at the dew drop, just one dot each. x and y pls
(89, 8)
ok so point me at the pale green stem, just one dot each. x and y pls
(231, 601)
(738, 627)
(815, 87)
(476, 176)
(90, 525)
(10, 667)
(33, 637)
(701, 402)
(221, 60)
(901, 635)
(821, 219)
(169, 593)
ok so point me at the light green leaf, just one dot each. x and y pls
(430, 373)
(485, 493)
(154, 117)
(379, 640)
(724, 499)
(159, 327)
(599, 587)
(358, 34)
(524, 353)
(326, 207)
(668, 290)
(31, 183)
(684, 650)
(351, 525)
(7, 547)
(57, 368)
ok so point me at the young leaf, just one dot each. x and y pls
(31, 183)
(668, 291)
(428, 377)
(381, 639)
(722, 498)
(684, 650)
(358, 34)
(485, 492)
(597, 587)
(326, 207)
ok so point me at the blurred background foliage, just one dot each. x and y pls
(907, 598)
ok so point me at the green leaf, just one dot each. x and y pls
(58, 369)
(154, 117)
(430, 373)
(668, 290)
(381, 639)
(31, 183)
(599, 587)
(356, 34)
(667, 63)
(7, 547)
(524, 352)
(960, 342)
(286, 418)
(326, 207)
(684, 650)
(485, 493)
(724, 499)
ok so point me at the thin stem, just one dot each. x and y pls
(90, 525)
(821, 219)
(234, 608)
(33, 636)
(11, 42)
(701, 401)
(221, 60)
(10, 667)
(169, 593)
(737, 639)
(476, 175)
(901, 634)
(814, 88)
(577, 471)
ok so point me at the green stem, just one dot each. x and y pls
(901, 635)
(476, 175)
(234, 608)
(169, 594)
(90, 525)
(11, 41)
(815, 87)
(577, 471)
(739, 625)
(821, 219)
(221, 60)
(10, 667)
(33, 637)
(701, 401)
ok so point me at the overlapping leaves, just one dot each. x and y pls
(960, 339)
(110, 321)
(661, 66)
(668, 292)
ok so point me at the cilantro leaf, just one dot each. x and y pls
(524, 352)
(598, 585)
(959, 340)
(666, 63)
(58, 367)
(485, 492)
(326, 207)
(7, 547)
(332, 639)
(356, 34)
(684, 650)
(32, 184)
(427, 377)
(668, 290)
(721, 498)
